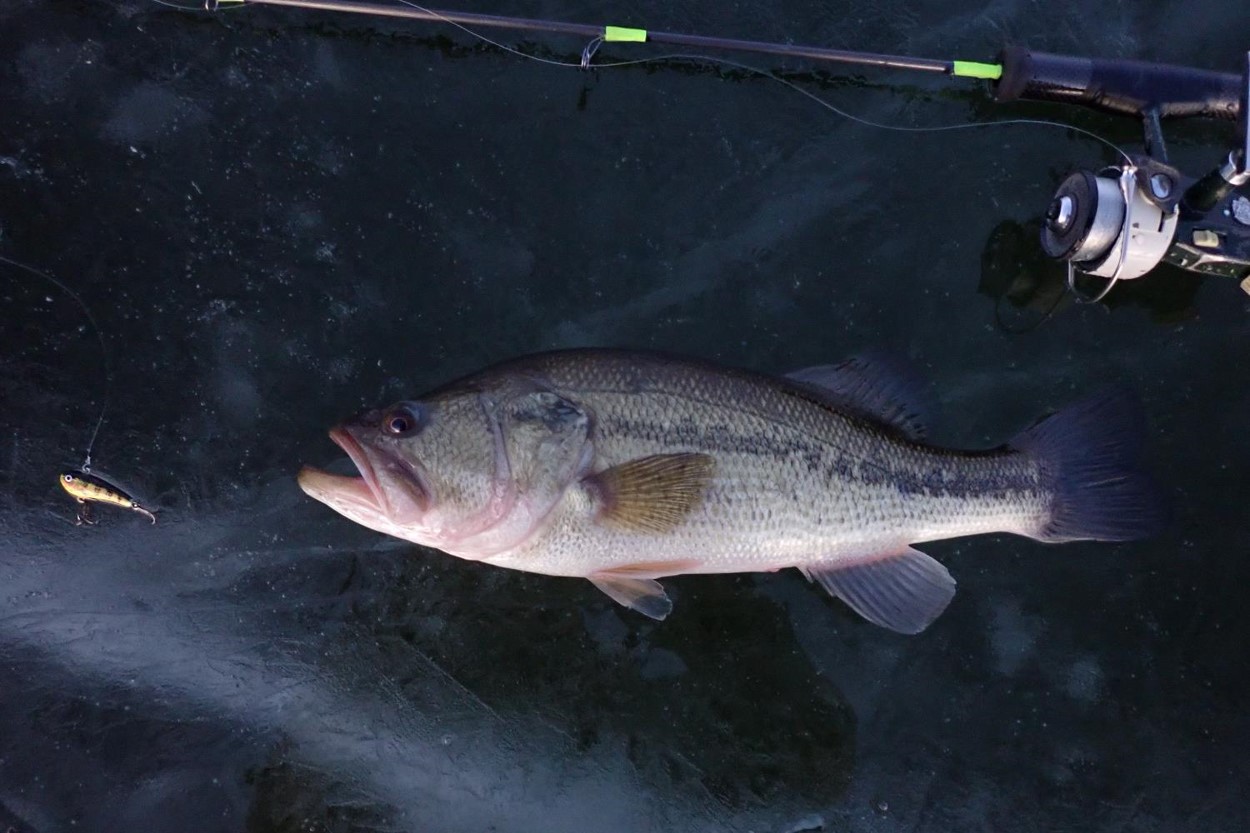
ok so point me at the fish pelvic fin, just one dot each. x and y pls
(903, 591)
(644, 595)
(651, 494)
(1088, 455)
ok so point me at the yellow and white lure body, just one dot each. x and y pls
(88, 488)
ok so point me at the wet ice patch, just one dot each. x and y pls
(19, 170)
(490, 259)
(48, 69)
(805, 825)
(1013, 636)
(1084, 680)
(661, 664)
(607, 629)
(327, 66)
(238, 395)
(216, 308)
(302, 218)
(341, 369)
(149, 112)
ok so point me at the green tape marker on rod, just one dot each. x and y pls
(972, 69)
(623, 34)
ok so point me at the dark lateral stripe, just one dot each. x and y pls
(911, 471)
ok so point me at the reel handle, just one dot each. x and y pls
(1119, 86)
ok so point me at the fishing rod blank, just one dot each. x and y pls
(1112, 85)
(625, 34)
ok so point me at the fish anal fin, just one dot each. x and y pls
(878, 385)
(651, 494)
(903, 591)
(644, 595)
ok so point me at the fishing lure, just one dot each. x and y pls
(89, 488)
(86, 487)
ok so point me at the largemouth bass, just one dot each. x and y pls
(624, 467)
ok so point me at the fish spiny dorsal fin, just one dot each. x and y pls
(651, 494)
(877, 385)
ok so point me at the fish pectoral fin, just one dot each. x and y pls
(651, 494)
(644, 595)
(904, 591)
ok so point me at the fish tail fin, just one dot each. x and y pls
(1088, 455)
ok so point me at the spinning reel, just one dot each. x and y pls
(1122, 221)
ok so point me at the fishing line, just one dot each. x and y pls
(104, 350)
(1019, 331)
(199, 7)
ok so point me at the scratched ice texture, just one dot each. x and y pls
(280, 216)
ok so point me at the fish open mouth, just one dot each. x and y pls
(366, 492)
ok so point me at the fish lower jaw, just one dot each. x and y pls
(333, 489)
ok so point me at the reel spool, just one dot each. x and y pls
(1109, 225)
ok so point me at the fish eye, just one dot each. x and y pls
(402, 420)
(68, 478)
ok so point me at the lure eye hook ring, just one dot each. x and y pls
(589, 52)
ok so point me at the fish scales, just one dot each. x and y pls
(794, 478)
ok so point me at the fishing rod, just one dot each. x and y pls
(1116, 223)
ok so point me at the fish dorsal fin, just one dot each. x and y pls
(644, 595)
(904, 592)
(651, 494)
(877, 385)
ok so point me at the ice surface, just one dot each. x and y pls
(282, 217)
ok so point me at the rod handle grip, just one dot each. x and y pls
(1118, 86)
